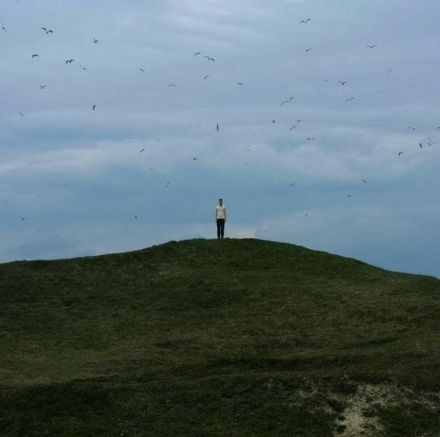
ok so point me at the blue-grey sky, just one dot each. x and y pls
(356, 176)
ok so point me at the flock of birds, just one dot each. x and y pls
(426, 142)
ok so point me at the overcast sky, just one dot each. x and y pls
(349, 165)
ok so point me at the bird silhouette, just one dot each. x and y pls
(143, 148)
(286, 101)
(93, 107)
(389, 70)
(171, 84)
(342, 82)
(4, 27)
(240, 83)
(308, 50)
(197, 53)
(364, 181)
(349, 99)
(206, 77)
(209, 58)
(293, 127)
(47, 30)
(195, 159)
(21, 114)
(141, 69)
(218, 128)
(136, 217)
(95, 40)
(69, 61)
(310, 138)
(35, 55)
(371, 46)
(305, 20)
(420, 145)
(42, 87)
(400, 153)
(411, 128)
(349, 196)
(83, 68)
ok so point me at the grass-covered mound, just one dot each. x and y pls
(218, 337)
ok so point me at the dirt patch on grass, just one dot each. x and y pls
(359, 417)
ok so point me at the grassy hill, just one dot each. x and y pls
(211, 338)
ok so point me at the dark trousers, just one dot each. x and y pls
(220, 228)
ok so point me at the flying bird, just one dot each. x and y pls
(143, 148)
(4, 27)
(218, 127)
(286, 101)
(292, 184)
(342, 82)
(43, 86)
(308, 50)
(371, 46)
(349, 99)
(21, 114)
(93, 107)
(209, 58)
(136, 217)
(206, 77)
(197, 53)
(310, 138)
(171, 84)
(141, 69)
(240, 83)
(47, 30)
(195, 159)
(35, 55)
(364, 181)
(349, 196)
(95, 40)
(83, 68)
(157, 139)
(389, 70)
(167, 184)
(420, 145)
(411, 128)
(305, 20)
(400, 153)
(69, 61)
(293, 127)
(273, 121)
(23, 219)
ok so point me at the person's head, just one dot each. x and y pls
(220, 202)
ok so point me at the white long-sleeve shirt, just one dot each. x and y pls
(220, 212)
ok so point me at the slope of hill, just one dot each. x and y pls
(207, 337)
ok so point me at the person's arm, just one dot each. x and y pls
(215, 214)
(225, 213)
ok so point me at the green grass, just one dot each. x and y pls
(206, 337)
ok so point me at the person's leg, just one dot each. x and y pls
(223, 228)
(218, 228)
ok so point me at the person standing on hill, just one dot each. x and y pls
(220, 218)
